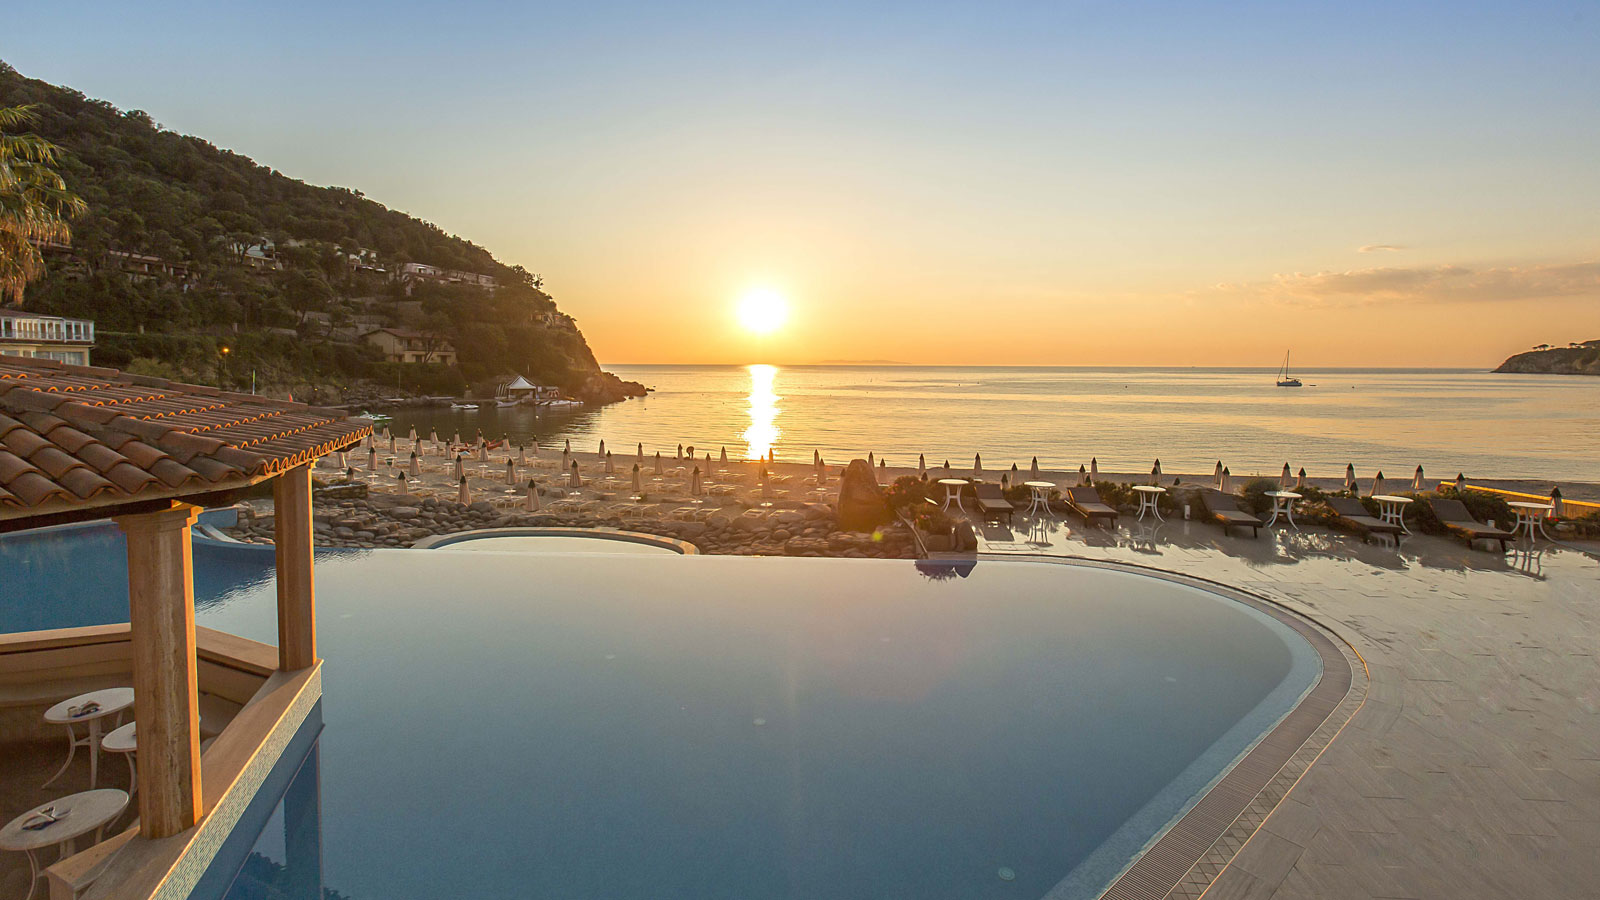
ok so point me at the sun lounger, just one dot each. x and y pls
(1453, 515)
(1085, 501)
(1224, 508)
(991, 502)
(1355, 516)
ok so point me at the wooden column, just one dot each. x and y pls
(297, 604)
(166, 697)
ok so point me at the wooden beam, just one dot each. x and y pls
(166, 694)
(297, 604)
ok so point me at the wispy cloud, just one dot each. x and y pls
(1392, 284)
(1380, 248)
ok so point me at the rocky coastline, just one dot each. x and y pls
(1577, 359)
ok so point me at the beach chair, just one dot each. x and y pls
(1354, 516)
(1085, 501)
(1455, 518)
(992, 502)
(1224, 509)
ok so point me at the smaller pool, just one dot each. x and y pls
(556, 540)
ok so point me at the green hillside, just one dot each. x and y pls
(256, 273)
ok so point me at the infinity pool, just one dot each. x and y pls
(663, 726)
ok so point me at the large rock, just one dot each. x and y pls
(862, 505)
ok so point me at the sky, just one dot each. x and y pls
(1385, 184)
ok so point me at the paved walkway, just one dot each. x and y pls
(1473, 769)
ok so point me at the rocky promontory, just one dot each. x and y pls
(1574, 359)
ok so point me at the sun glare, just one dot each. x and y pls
(763, 311)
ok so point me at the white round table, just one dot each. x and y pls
(110, 701)
(1149, 497)
(1040, 493)
(1283, 502)
(1391, 509)
(1530, 516)
(76, 815)
(125, 740)
(952, 492)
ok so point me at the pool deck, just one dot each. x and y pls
(1472, 769)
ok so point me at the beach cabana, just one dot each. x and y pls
(82, 444)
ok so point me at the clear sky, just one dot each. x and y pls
(1051, 183)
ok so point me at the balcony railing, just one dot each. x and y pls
(47, 329)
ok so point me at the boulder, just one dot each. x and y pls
(862, 505)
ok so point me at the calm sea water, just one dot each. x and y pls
(1489, 426)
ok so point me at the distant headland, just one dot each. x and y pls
(1578, 358)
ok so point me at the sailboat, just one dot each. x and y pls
(1284, 378)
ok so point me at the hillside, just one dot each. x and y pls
(198, 263)
(1577, 359)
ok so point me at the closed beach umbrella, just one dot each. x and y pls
(947, 465)
(522, 455)
(457, 439)
(385, 434)
(573, 478)
(870, 460)
(822, 471)
(1094, 468)
(416, 466)
(680, 452)
(922, 466)
(416, 447)
(609, 467)
(602, 447)
(413, 433)
(534, 446)
(483, 451)
(461, 467)
(433, 435)
(1033, 469)
(1283, 481)
(1015, 472)
(567, 450)
(816, 457)
(639, 453)
(372, 459)
(1300, 479)
(658, 462)
(1461, 480)
(723, 459)
(391, 443)
(533, 496)
(511, 473)
(1223, 487)
(1005, 481)
(977, 465)
(638, 487)
(694, 482)
(566, 456)
(1377, 483)
(464, 496)
(766, 488)
(1558, 507)
(1216, 474)
(344, 460)
(1416, 480)
(1350, 479)
(1155, 472)
(400, 481)
(1083, 475)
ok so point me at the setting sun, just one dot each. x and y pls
(763, 311)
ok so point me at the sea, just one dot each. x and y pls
(1489, 426)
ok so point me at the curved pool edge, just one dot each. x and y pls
(440, 541)
(1185, 857)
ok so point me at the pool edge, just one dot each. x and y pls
(1185, 858)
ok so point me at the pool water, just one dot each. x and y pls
(663, 726)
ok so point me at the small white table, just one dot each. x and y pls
(1530, 516)
(1149, 498)
(1040, 493)
(125, 740)
(1391, 509)
(112, 702)
(76, 814)
(1283, 502)
(952, 492)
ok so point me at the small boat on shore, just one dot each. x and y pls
(463, 406)
(1284, 378)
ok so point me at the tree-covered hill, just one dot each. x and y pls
(255, 272)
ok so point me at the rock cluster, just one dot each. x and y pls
(387, 521)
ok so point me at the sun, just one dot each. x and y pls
(763, 311)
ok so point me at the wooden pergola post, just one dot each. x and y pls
(166, 695)
(297, 605)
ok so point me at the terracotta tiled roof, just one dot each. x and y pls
(76, 436)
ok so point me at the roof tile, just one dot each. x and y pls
(73, 435)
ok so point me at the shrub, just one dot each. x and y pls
(908, 493)
(1254, 496)
(932, 520)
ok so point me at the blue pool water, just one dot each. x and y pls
(586, 726)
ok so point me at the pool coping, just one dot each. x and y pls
(438, 541)
(1183, 860)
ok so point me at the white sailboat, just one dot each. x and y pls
(1284, 378)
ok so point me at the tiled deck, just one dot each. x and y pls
(1472, 769)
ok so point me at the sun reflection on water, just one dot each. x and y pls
(763, 431)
